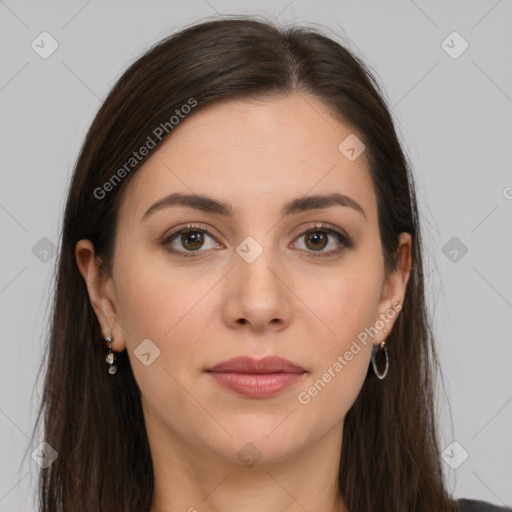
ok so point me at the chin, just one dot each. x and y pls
(259, 442)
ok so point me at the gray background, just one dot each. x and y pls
(454, 118)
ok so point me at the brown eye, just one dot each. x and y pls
(316, 240)
(323, 240)
(192, 240)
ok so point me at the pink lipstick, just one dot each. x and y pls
(257, 378)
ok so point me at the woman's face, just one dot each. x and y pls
(267, 277)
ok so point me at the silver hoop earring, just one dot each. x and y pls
(111, 357)
(376, 350)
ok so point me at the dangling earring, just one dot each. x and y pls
(376, 350)
(111, 357)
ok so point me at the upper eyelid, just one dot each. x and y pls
(173, 232)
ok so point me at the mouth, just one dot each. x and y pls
(257, 378)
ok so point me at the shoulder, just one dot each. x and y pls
(480, 506)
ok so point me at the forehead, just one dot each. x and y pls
(254, 153)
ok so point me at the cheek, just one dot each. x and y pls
(348, 306)
(171, 310)
(342, 358)
(166, 305)
(152, 296)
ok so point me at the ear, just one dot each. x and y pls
(100, 288)
(394, 287)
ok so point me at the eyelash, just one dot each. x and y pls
(343, 239)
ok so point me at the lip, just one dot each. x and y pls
(269, 364)
(257, 378)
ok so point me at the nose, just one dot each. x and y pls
(258, 294)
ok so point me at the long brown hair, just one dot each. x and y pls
(390, 459)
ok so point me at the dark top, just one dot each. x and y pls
(480, 506)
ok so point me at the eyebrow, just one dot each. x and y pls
(210, 205)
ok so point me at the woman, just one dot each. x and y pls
(241, 244)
